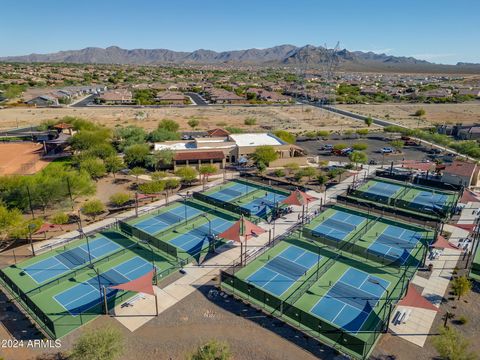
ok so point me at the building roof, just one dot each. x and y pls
(199, 155)
(171, 96)
(256, 139)
(460, 168)
(217, 132)
(63, 126)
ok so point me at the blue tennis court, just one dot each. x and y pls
(233, 192)
(384, 190)
(395, 243)
(164, 220)
(86, 295)
(268, 199)
(429, 200)
(281, 272)
(338, 226)
(194, 240)
(350, 300)
(64, 262)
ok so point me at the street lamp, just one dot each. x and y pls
(210, 235)
(88, 245)
(30, 229)
(376, 282)
(185, 197)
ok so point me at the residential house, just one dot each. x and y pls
(43, 101)
(116, 97)
(172, 98)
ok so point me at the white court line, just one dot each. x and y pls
(42, 270)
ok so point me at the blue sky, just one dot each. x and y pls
(435, 30)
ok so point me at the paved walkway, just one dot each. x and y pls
(199, 275)
(418, 326)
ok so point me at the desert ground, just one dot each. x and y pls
(465, 113)
(293, 118)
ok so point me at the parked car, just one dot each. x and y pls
(328, 147)
(435, 151)
(347, 151)
(386, 150)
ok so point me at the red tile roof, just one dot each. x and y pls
(63, 126)
(218, 133)
(460, 168)
(200, 155)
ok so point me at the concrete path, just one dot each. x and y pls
(418, 326)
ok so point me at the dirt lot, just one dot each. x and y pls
(466, 113)
(295, 118)
(21, 158)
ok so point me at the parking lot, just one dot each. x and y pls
(375, 142)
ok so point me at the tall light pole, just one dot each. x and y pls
(30, 229)
(376, 282)
(185, 197)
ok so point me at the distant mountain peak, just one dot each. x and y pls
(307, 55)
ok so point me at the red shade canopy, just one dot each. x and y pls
(468, 227)
(47, 227)
(417, 165)
(442, 243)
(143, 284)
(241, 228)
(298, 198)
(468, 196)
(414, 299)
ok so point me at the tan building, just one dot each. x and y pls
(116, 97)
(236, 148)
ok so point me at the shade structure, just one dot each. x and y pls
(143, 284)
(47, 227)
(469, 196)
(418, 165)
(442, 243)
(241, 228)
(468, 227)
(414, 299)
(298, 198)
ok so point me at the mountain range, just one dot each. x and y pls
(282, 55)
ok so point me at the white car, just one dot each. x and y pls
(386, 150)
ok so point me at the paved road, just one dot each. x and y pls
(197, 99)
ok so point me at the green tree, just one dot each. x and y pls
(420, 112)
(358, 157)
(397, 144)
(250, 121)
(340, 146)
(169, 125)
(324, 134)
(187, 174)
(9, 220)
(171, 184)
(137, 171)
(136, 155)
(101, 151)
(451, 345)
(161, 158)
(265, 154)
(285, 136)
(152, 187)
(119, 199)
(114, 164)
(368, 121)
(102, 344)
(279, 173)
(160, 135)
(129, 135)
(322, 180)
(59, 218)
(461, 286)
(93, 208)
(212, 350)
(308, 172)
(87, 139)
(158, 175)
(206, 170)
(359, 146)
(362, 132)
(94, 167)
(193, 123)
